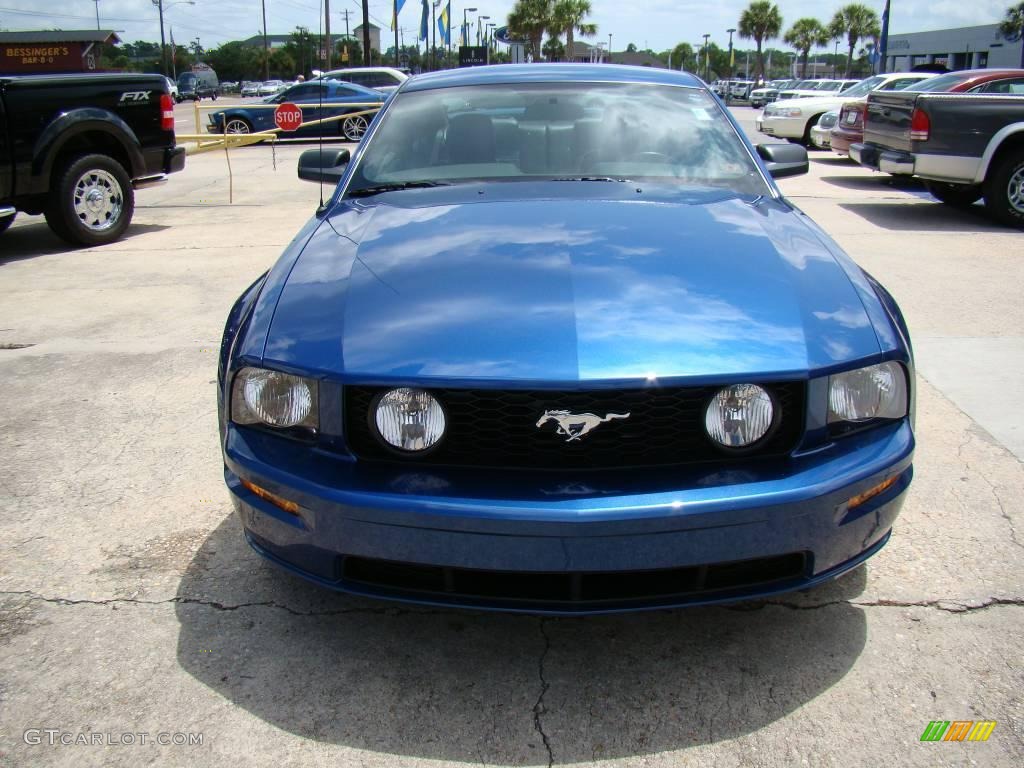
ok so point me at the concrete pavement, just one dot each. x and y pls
(129, 603)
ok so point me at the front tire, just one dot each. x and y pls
(956, 195)
(94, 201)
(237, 125)
(1004, 189)
(353, 128)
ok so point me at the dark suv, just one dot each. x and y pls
(191, 86)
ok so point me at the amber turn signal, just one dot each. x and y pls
(288, 506)
(870, 493)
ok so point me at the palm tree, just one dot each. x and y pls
(567, 16)
(1012, 27)
(805, 34)
(856, 21)
(760, 21)
(530, 19)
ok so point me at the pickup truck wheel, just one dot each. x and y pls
(956, 195)
(1004, 189)
(93, 201)
(6, 221)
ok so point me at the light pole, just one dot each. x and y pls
(465, 25)
(728, 83)
(394, 4)
(835, 57)
(609, 47)
(489, 38)
(97, 13)
(707, 58)
(479, 20)
(433, 34)
(163, 44)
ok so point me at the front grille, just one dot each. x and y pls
(576, 590)
(497, 428)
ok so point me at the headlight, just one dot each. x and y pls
(409, 419)
(276, 399)
(876, 392)
(789, 112)
(739, 415)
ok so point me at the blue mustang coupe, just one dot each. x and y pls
(317, 100)
(557, 343)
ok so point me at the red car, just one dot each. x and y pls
(850, 127)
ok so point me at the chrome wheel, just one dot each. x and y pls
(1015, 190)
(98, 200)
(236, 126)
(354, 127)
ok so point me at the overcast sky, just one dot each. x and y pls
(658, 24)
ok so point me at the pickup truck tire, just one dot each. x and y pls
(92, 201)
(5, 222)
(1004, 189)
(956, 195)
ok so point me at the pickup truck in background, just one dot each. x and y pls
(76, 147)
(964, 146)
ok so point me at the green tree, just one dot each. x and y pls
(568, 16)
(805, 34)
(529, 20)
(1012, 26)
(682, 57)
(553, 49)
(760, 21)
(352, 49)
(855, 22)
(235, 61)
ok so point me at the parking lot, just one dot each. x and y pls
(130, 603)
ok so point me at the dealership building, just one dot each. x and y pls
(962, 48)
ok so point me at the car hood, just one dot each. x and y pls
(412, 286)
(821, 103)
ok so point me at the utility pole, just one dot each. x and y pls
(163, 43)
(346, 23)
(366, 33)
(266, 45)
(394, 5)
(707, 58)
(728, 82)
(433, 34)
(327, 32)
(97, 13)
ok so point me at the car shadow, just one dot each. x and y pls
(874, 181)
(485, 687)
(35, 238)
(911, 216)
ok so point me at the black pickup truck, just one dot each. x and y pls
(75, 147)
(964, 146)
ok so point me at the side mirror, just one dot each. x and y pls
(323, 164)
(783, 159)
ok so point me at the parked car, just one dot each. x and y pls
(769, 93)
(79, 145)
(270, 87)
(318, 99)
(193, 87)
(172, 88)
(740, 89)
(383, 79)
(816, 88)
(793, 119)
(965, 146)
(485, 374)
(821, 132)
(249, 88)
(850, 128)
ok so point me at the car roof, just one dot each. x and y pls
(549, 73)
(352, 70)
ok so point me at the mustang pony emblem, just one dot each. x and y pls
(576, 425)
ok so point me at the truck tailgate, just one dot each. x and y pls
(887, 120)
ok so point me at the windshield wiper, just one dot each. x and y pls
(395, 186)
(587, 178)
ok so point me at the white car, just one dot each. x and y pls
(172, 88)
(821, 133)
(384, 79)
(270, 87)
(740, 89)
(769, 93)
(250, 88)
(794, 119)
(810, 89)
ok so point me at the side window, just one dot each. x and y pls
(342, 90)
(358, 78)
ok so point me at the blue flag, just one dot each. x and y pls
(425, 21)
(396, 10)
(444, 24)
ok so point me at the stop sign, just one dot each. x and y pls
(287, 116)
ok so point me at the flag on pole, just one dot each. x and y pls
(397, 10)
(444, 25)
(424, 21)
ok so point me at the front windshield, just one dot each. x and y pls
(864, 87)
(828, 85)
(539, 131)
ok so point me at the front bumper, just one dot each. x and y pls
(782, 127)
(821, 137)
(501, 542)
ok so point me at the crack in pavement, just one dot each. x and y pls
(947, 605)
(538, 707)
(991, 487)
